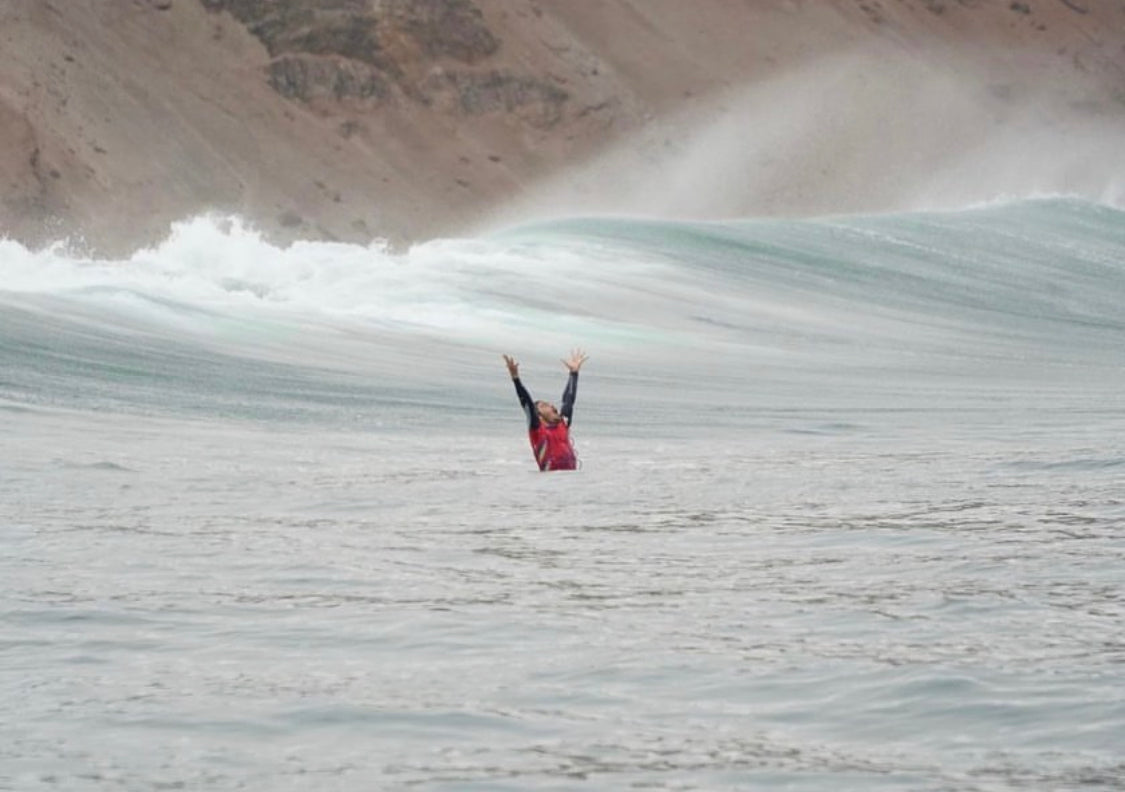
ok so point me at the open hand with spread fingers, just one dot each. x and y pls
(575, 361)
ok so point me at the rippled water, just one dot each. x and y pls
(831, 603)
(850, 514)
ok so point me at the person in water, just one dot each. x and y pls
(548, 428)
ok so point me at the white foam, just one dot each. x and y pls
(475, 291)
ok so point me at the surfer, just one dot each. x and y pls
(548, 428)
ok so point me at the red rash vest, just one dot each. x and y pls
(550, 443)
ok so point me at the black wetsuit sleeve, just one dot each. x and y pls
(527, 404)
(569, 394)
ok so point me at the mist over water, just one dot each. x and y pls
(849, 513)
(858, 132)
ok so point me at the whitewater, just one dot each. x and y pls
(849, 513)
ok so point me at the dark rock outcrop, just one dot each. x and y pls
(536, 102)
(342, 51)
(443, 28)
(310, 78)
(347, 28)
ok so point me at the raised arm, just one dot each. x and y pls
(570, 392)
(526, 402)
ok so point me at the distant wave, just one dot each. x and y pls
(1031, 289)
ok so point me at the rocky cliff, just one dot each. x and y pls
(357, 119)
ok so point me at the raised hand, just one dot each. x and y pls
(513, 366)
(575, 361)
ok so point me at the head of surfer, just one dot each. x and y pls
(547, 412)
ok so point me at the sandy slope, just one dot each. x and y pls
(411, 118)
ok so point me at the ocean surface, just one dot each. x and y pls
(850, 512)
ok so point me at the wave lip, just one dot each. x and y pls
(1023, 296)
